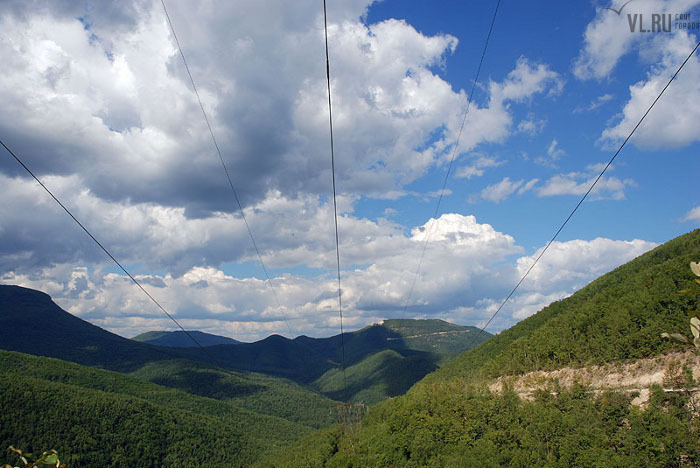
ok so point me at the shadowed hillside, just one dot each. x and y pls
(180, 339)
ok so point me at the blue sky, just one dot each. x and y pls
(664, 190)
(99, 105)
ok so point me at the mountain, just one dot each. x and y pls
(397, 354)
(30, 322)
(165, 400)
(445, 339)
(417, 347)
(180, 339)
(94, 417)
(454, 416)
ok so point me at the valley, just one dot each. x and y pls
(73, 374)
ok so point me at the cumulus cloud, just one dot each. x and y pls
(477, 167)
(673, 122)
(608, 38)
(501, 190)
(98, 103)
(85, 93)
(35, 233)
(692, 215)
(467, 263)
(578, 183)
(109, 100)
(572, 264)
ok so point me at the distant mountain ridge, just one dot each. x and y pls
(180, 339)
(32, 323)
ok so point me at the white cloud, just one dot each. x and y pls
(673, 121)
(528, 186)
(465, 272)
(477, 167)
(553, 153)
(505, 188)
(531, 126)
(578, 183)
(501, 190)
(102, 110)
(567, 266)
(692, 215)
(108, 94)
(595, 104)
(608, 38)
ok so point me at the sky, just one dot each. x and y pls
(97, 102)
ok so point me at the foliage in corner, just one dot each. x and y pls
(47, 460)
(694, 321)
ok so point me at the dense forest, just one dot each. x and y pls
(447, 425)
(450, 418)
(94, 417)
(256, 392)
(619, 316)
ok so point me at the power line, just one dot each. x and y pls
(452, 159)
(481, 330)
(213, 359)
(223, 164)
(335, 205)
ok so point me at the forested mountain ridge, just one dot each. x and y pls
(452, 418)
(95, 417)
(30, 322)
(254, 412)
(619, 316)
(418, 347)
(180, 339)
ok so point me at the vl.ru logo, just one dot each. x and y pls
(656, 22)
(659, 22)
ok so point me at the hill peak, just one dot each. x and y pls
(180, 339)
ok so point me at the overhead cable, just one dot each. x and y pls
(335, 204)
(452, 159)
(104, 249)
(556, 234)
(228, 176)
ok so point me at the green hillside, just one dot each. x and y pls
(377, 377)
(619, 316)
(451, 418)
(95, 417)
(445, 339)
(412, 349)
(180, 339)
(28, 317)
(256, 392)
